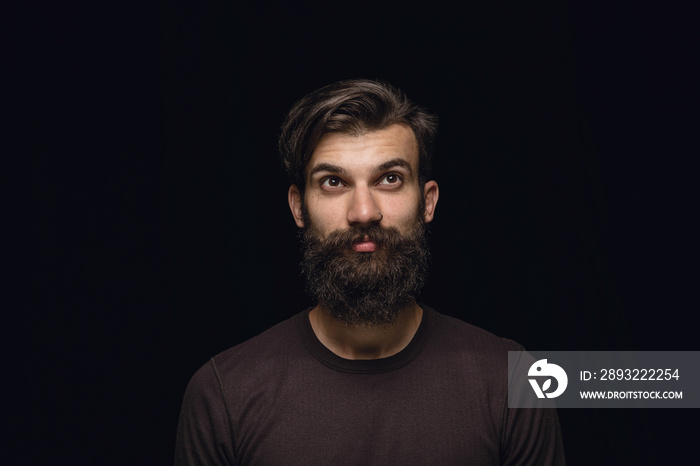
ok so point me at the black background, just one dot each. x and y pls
(154, 230)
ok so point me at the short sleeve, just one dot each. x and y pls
(532, 436)
(204, 435)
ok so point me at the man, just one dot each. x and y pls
(367, 376)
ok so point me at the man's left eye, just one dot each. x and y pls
(391, 178)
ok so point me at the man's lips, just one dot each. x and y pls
(366, 245)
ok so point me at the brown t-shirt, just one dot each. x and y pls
(282, 398)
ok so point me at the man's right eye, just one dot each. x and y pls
(331, 182)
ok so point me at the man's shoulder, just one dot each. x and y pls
(256, 356)
(272, 344)
(468, 349)
(458, 333)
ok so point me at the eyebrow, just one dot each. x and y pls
(326, 167)
(395, 162)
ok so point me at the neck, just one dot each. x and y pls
(366, 342)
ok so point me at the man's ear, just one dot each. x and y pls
(430, 194)
(294, 198)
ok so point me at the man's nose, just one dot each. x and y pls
(363, 209)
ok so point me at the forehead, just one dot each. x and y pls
(368, 149)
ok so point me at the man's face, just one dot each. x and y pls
(360, 180)
(364, 266)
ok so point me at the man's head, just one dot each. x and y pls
(351, 107)
(361, 194)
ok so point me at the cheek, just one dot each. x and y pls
(324, 217)
(403, 211)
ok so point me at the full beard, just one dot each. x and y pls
(366, 288)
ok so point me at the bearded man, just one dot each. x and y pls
(367, 376)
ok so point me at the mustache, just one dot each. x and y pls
(344, 239)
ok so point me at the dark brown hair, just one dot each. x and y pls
(353, 107)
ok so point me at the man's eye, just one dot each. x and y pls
(391, 179)
(331, 182)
